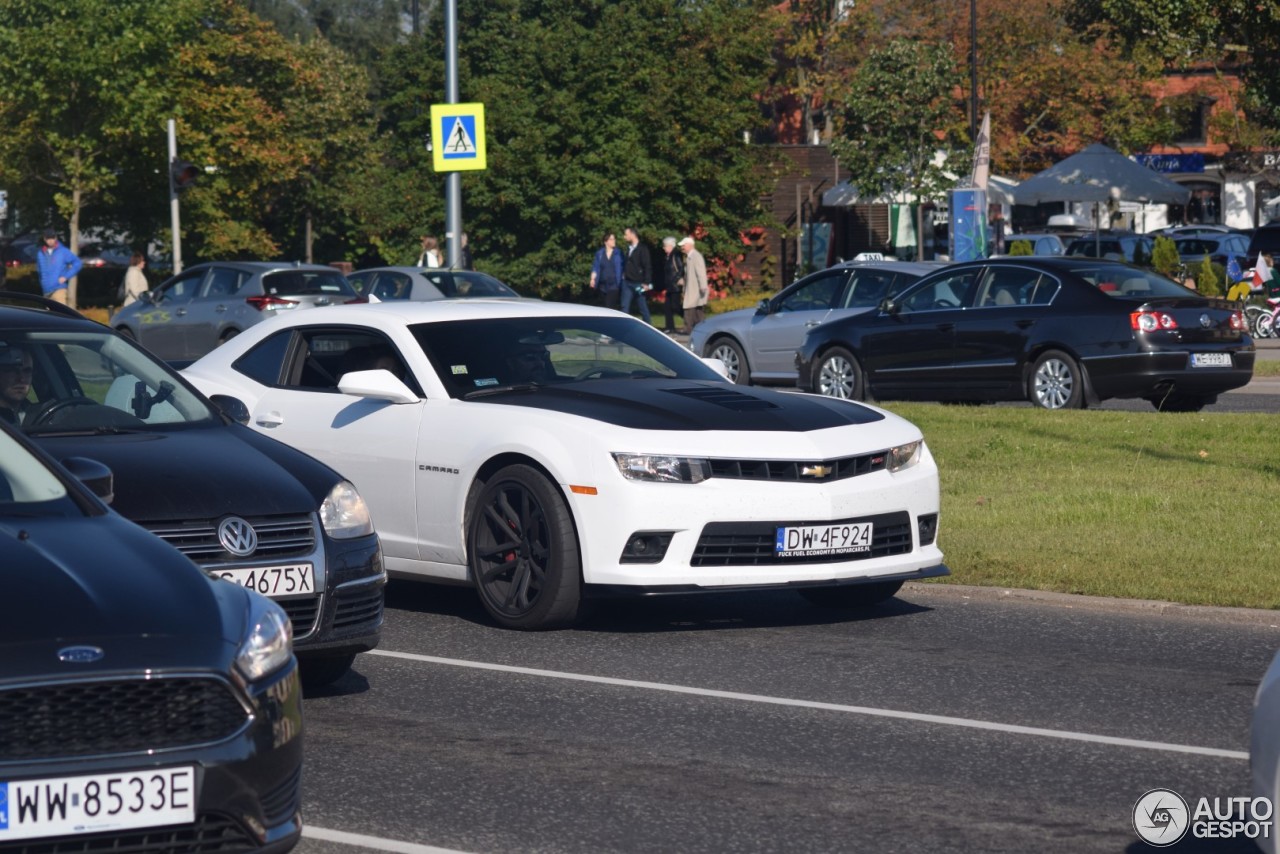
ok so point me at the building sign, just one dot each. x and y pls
(1172, 162)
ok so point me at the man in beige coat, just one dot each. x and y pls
(696, 290)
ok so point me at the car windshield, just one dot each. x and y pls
(28, 487)
(476, 357)
(1121, 281)
(465, 285)
(96, 382)
(293, 283)
(1090, 248)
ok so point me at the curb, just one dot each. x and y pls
(1261, 617)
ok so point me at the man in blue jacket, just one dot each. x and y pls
(58, 265)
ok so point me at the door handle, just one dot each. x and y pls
(809, 324)
(221, 308)
(269, 419)
(1025, 324)
(182, 312)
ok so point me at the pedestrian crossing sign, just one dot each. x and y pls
(457, 137)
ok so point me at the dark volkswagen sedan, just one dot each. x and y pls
(239, 504)
(1060, 332)
(144, 706)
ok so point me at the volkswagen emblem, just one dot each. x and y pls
(237, 536)
(1206, 321)
(80, 654)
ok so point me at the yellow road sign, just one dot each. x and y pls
(457, 137)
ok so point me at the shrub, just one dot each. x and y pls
(745, 299)
(1209, 278)
(1021, 247)
(1164, 256)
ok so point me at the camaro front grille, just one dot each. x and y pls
(211, 834)
(752, 543)
(815, 471)
(278, 537)
(93, 718)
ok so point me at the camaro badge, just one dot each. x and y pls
(815, 471)
(80, 654)
(237, 536)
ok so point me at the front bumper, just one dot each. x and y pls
(348, 615)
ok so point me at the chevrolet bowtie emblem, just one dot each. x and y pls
(815, 471)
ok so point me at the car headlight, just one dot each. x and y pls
(904, 456)
(663, 469)
(344, 514)
(268, 641)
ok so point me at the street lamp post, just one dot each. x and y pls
(973, 70)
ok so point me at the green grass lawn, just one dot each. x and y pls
(1178, 507)
(1266, 368)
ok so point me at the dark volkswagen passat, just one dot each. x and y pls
(239, 504)
(1060, 332)
(144, 706)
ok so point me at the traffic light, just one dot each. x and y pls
(182, 174)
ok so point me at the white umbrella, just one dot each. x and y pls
(1097, 174)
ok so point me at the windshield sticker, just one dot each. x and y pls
(485, 382)
(459, 369)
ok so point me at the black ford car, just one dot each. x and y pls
(144, 706)
(239, 504)
(1059, 332)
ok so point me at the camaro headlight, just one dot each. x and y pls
(344, 513)
(904, 456)
(268, 641)
(662, 468)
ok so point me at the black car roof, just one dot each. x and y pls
(32, 312)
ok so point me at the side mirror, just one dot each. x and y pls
(379, 384)
(94, 475)
(763, 307)
(718, 366)
(147, 296)
(232, 407)
(888, 306)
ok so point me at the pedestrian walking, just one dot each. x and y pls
(135, 283)
(465, 262)
(430, 256)
(672, 282)
(58, 265)
(696, 289)
(637, 275)
(606, 271)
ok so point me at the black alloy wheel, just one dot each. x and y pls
(853, 596)
(735, 361)
(523, 551)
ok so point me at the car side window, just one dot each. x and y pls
(324, 355)
(867, 288)
(391, 286)
(265, 362)
(945, 292)
(816, 294)
(1041, 291)
(184, 287)
(1006, 286)
(360, 281)
(221, 282)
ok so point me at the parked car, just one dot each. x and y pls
(1113, 246)
(426, 283)
(21, 250)
(1221, 249)
(546, 453)
(205, 305)
(1266, 239)
(1060, 332)
(140, 700)
(110, 255)
(1041, 244)
(1264, 745)
(759, 344)
(240, 505)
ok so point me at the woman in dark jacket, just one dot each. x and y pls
(672, 281)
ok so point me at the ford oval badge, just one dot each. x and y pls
(80, 654)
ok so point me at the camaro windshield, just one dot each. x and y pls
(480, 356)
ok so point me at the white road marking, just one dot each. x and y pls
(375, 843)
(943, 720)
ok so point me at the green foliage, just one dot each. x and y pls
(1209, 278)
(733, 302)
(1021, 247)
(1164, 255)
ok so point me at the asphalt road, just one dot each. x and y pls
(948, 720)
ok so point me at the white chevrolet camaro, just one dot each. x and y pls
(546, 453)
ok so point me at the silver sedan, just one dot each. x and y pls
(426, 283)
(759, 344)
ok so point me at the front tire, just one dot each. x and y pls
(522, 550)
(728, 351)
(854, 596)
(1056, 382)
(839, 375)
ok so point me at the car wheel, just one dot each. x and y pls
(126, 332)
(522, 550)
(1182, 402)
(853, 596)
(839, 375)
(1056, 382)
(322, 670)
(728, 351)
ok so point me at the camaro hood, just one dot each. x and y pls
(102, 581)
(672, 404)
(190, 474)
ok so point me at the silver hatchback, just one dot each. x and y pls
(193, 312)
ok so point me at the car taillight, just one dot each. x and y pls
(1151, 321)
(270, 303)
(1237, 321)
(94, 262)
